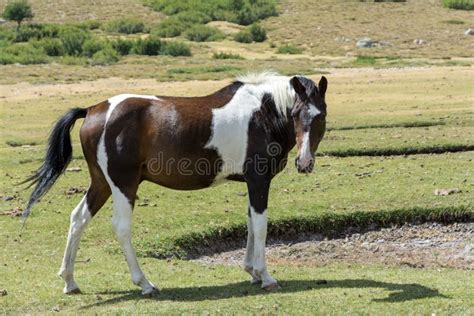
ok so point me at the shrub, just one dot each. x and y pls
(73, 38)
(27, 32)
(123, 47)
(7, 34)
(243, 36)
(18, 11)
(203, 33)
(125, 25)
(23, 54)
(93, 45)
(170, 27)
(193, 17)
(222, 55)
(150, 46)
(289, 49)
(106, 56)
(459, 4)
(258, 32)
(51, 46)
(89, 24)
(244, 12)
(174, 48)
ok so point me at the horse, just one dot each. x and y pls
(242, 132)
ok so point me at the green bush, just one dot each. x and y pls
(244, 36)
(223, 55)
(7, 34)
(106, 56)
(150, 46)
(125, 25)
(254, 33)
(123, 47)
(193, 17)
(73, 38)
(243, 12)
(459, 4)
(93, 45)
(174, 48)
(170, 27)
(51, 46)
(89, 24)
(289, 49)
(37, 31)
(23, 54)
(258, 32)
(204, 33)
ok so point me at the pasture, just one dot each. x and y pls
(166, 222)
(400, 126)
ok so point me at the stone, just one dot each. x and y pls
(364, 43)
(469, 32)
(419, 42)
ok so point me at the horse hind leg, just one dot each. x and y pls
(122, 223)
(90, 204)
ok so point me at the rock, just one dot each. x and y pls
(364, 43)
(8, 198)
(15, 212)
(469, 32)
(444, 192)
(419, 42)
(2, 21)
(74, 169)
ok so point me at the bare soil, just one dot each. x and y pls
(429, 245)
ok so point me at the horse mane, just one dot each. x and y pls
(277, 85)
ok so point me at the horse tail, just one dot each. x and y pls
(58, 156)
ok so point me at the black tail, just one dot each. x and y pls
(58, 156)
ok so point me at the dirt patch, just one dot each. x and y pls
(428, 245)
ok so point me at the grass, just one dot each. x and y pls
(459, 4)
(353, 190)
(289, 49)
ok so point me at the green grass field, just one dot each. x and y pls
(339, 187)
(369, 171)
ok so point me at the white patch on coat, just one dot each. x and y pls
(313, 110)
(230, 123)
(305, 152)
(116, 100)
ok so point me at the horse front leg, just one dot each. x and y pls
(249, 251)
(258, 195)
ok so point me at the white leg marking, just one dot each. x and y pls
(259, 223)
(249, 252)
(122, 223)
(80, 217)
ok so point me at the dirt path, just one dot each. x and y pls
(428, 245)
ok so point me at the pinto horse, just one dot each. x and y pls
(243, 132)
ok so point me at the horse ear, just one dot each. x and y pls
(323, 86)
(299, 88)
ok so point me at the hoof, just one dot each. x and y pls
(272, 287)
(150, 292)
(73, 291)
(255, 281)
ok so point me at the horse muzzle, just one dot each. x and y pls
(304, 166)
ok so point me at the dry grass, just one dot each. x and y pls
(332, 27)
(62, 11)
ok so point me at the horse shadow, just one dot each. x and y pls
(399, 292)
